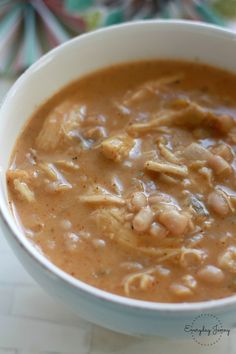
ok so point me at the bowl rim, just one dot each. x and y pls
(41, 260)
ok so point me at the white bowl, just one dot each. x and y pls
(82, 55)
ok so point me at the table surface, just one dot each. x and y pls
(32, 322)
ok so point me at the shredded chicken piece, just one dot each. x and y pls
(170, 168)
(134, 97)
(59, 181)
(150, 87)
(55, 175)
(190, 116)
(49, 169)
(58, 186)
(51, 131)
(131, 265)
(168, 253)
(167, 154)
(111, 223)
(72, 120)
(117, 185)
(122, 108)
(103, 198)
(24, 191)
(165, 80)
(191, 257)
(117, 147)
(194, 115)
(58, 125)
(20, 174)
(96, 189)
(170, 180)
(162, 200)
(137, 129)
(20, 180)
(67, 164)
(150, 126)
(144, 280)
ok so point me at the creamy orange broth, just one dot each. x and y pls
(126, 180)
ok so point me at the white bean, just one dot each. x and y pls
(175, 222)
(143, 219)
(224, 151)
(158, 231)
(189, 281)
(228, 259)
(219, 165)
(211, 274)
(180, 290)
(138, 200)
(218, 204)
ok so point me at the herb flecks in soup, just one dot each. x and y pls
(126, 180)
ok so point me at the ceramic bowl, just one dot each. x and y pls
(127, 42)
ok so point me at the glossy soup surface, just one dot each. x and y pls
(126, 180)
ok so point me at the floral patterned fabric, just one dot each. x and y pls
(29, 28)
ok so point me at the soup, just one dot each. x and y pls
(125, 179)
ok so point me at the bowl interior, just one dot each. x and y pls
(129, 42)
